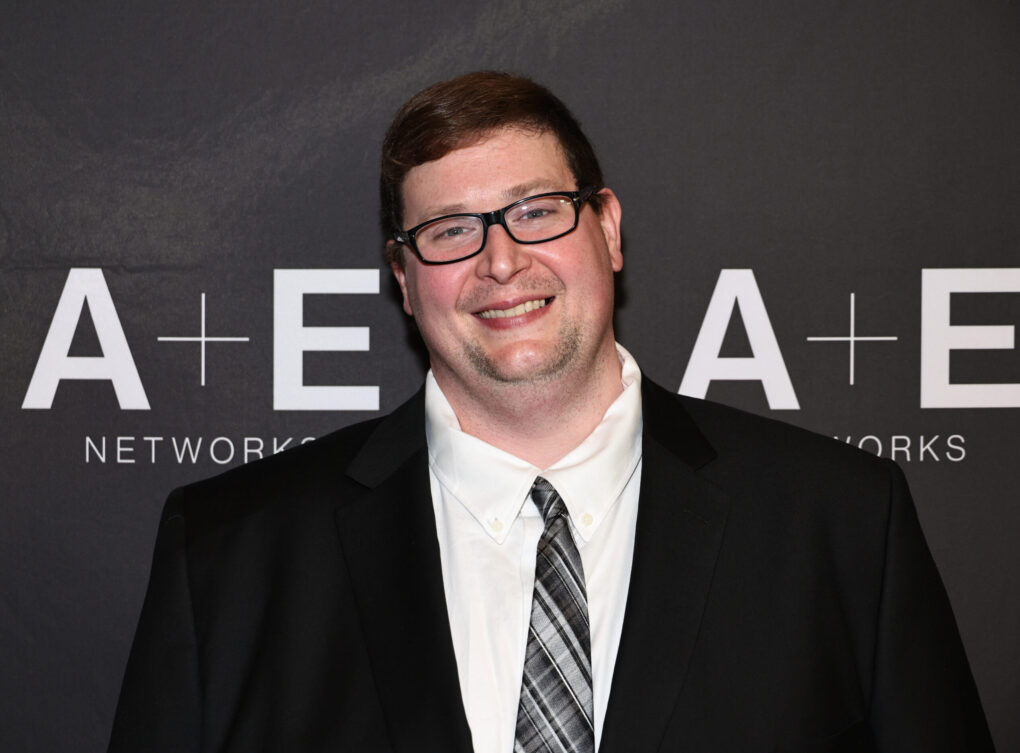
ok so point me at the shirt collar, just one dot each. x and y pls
(493, 485)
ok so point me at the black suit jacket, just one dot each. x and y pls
(782, 599)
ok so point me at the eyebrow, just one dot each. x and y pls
(510, 195)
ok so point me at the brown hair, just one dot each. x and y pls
(462, 111)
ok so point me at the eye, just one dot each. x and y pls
(450, 231)
(537, 211)
(534, 213)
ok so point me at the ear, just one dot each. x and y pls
(400, 273)
(609, 218)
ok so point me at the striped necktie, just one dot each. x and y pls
(555, 712)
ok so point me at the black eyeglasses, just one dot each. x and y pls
(536, 219)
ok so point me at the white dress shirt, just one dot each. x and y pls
(488, 529)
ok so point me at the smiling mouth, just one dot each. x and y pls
(522, 308)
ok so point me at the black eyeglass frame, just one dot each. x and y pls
(496, 217)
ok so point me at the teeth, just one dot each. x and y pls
(523, 308)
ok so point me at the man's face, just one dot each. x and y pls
(554, 299)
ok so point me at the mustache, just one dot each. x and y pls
(476, 298)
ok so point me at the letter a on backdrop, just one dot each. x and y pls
(55, 363)
(738, 287)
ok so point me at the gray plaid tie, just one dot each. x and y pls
(555, 712)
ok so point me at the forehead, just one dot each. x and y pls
(503, 166)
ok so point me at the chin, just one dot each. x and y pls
(525, 364)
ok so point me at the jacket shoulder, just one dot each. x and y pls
(765, 464)
(739, 436)
(308, 476)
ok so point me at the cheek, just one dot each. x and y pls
(430, 296)
(591, 267)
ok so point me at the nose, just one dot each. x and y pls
(502, 258)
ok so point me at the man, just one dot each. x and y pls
(541, 550)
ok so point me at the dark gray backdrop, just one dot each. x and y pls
(192, 148)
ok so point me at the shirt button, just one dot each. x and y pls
(587, 519)
(496, 525)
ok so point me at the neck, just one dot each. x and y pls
(539, 422)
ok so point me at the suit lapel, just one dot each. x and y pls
(680, 526)
(392, 555)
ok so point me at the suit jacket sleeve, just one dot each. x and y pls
(159, 707)
(923, 696)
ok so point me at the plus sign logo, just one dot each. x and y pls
(853, 338)
(202, 338)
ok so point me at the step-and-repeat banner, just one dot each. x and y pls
(820, 204)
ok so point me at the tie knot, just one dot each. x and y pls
(547, 499)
